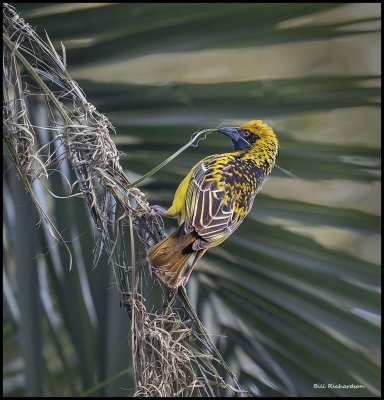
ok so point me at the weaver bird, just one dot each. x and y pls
(214, 198)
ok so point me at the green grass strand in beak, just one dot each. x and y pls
(169, 159)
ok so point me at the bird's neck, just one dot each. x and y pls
(263, 157)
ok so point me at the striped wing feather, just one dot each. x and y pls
(206, 212)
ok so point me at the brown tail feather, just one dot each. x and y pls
(169, 256)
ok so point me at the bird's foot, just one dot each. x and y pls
(181, 282)
(157, 209)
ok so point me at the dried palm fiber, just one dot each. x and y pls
(170, 356)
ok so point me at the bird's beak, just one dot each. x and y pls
(231, 132)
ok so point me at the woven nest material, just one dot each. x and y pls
(169, 358)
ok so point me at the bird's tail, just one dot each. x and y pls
(169, 256)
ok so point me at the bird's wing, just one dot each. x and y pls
(210, 208)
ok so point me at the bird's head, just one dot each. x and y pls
(253, 134)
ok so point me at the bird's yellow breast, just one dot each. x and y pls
(177, 208)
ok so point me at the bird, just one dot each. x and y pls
(213, 199)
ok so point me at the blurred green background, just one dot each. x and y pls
(293, 296)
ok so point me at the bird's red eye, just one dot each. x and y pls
(247, 134)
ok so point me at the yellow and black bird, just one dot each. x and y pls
(214, 198)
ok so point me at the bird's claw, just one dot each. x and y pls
(181, 282)
(157, 209)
